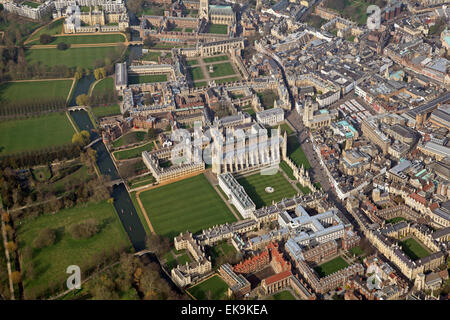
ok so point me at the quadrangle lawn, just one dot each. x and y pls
(34, 90)
(218, 28)
(191, 204)
(196, 73)
(413, 249)
(221, 70)
(35, 133)
(134, 152)
(215, 285)
(135, 79)
(331, 266)
(283, 295)
(295, 152)
(72, 57)
(255, 186)
(50, 263)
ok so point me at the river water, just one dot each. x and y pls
(122, 201)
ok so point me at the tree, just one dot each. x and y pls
(46, 238)
(11, 246)
(84, 229)
(16, 277)
(81, 138)
(157, 244)
(99, 73)
(152, 133)
(45, 39)
(149, 42)
(62, 46)
(82, 100)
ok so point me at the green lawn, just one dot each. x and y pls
(72, 57)
(31, 4)
(255, 186)
(192, 62)
(304, 190)
(35, 133)
(80, 175)
(216, 58)
(285, 167)
(356, 251)
(141, 181)
(86, 39)
(151, 56)
(221, 70)
(183, 259)
(413, 249)
(134, 152)
(129, 138)
(295, 152)
(104, 85)
(225, 80)
(267, 98)
(34, 90)
(200, 84)
(284, 128)
(283, 295)
(106, 111)
(215, 285)
(50, 263)
(139, 211)
(191, 204)
(218, 28)
(53, 28)
(196, 73)
(355, 10)
(136, 79)
(395, 220)
(331, 267)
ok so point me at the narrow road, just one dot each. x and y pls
(8, 263)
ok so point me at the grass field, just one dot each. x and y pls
(134, 152)
(31, 4)
(218, 28)
(35, 133)
(331, 267)
(284, 128)
(147, 78)
(413, 249)
(196, 73)
(395, 220)
(355, 9)
(50, 263)
(215, 285)
(295, 152)
(103, 85)
(216, 58)
(106, 111)
(72, 57)
(129, 138)
(200, 84)
(151, 56)
(221, 70)
(34, 90)
(285, 167)
(267, 98)
(283, 295)
(85, 39)
(304, 190)
(192, 62)
(197, 206)
(225, 80)
(52, 29)
(356, 251)
(255, 184)
(141, 181)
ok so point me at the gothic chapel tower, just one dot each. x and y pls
(204, 10)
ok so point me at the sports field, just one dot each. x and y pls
(134, 152)
(35, 133)
(221, 70)
(256, 184)
(191, 204)
(331, 267)
(72, 57)
(214, 288)
(34, 90)
(413, 249)
(295, 152)
(49, 264)
(147, 79)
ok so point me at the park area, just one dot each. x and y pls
(35, 133)
(190, 204)
(413, 249)
(255, 185)
(34, 91)
(46, 266)
(331, 267)
(72, 57)
(212, 289)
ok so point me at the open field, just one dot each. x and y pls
(331, 266)
(197, 206)
(147, 78)
(85, 39)
(50, 263)
(218, 28)
(413, 249)
(221, 70)
(134, 152)
(214, 288)
(104, 85)
(34, 90)
(255, 186)
(106, 111)
(72, 57)
(35, 133)
(54, 28)
(295, 152)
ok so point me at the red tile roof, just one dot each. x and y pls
(278, 277)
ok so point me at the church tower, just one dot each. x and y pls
(204, 9)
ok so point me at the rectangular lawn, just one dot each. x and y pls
(215, 285)
(50, 263)
(196, 73)
(221, 70)
(134, 152)
(295, 152)
(256, 184)
(218, 28)
(35, 133)
(147, 78)
(191, 204)
(413, 249)
(34, 90)
(331, 267)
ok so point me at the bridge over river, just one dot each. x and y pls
(122, 200)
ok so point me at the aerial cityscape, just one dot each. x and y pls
(231, 150)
